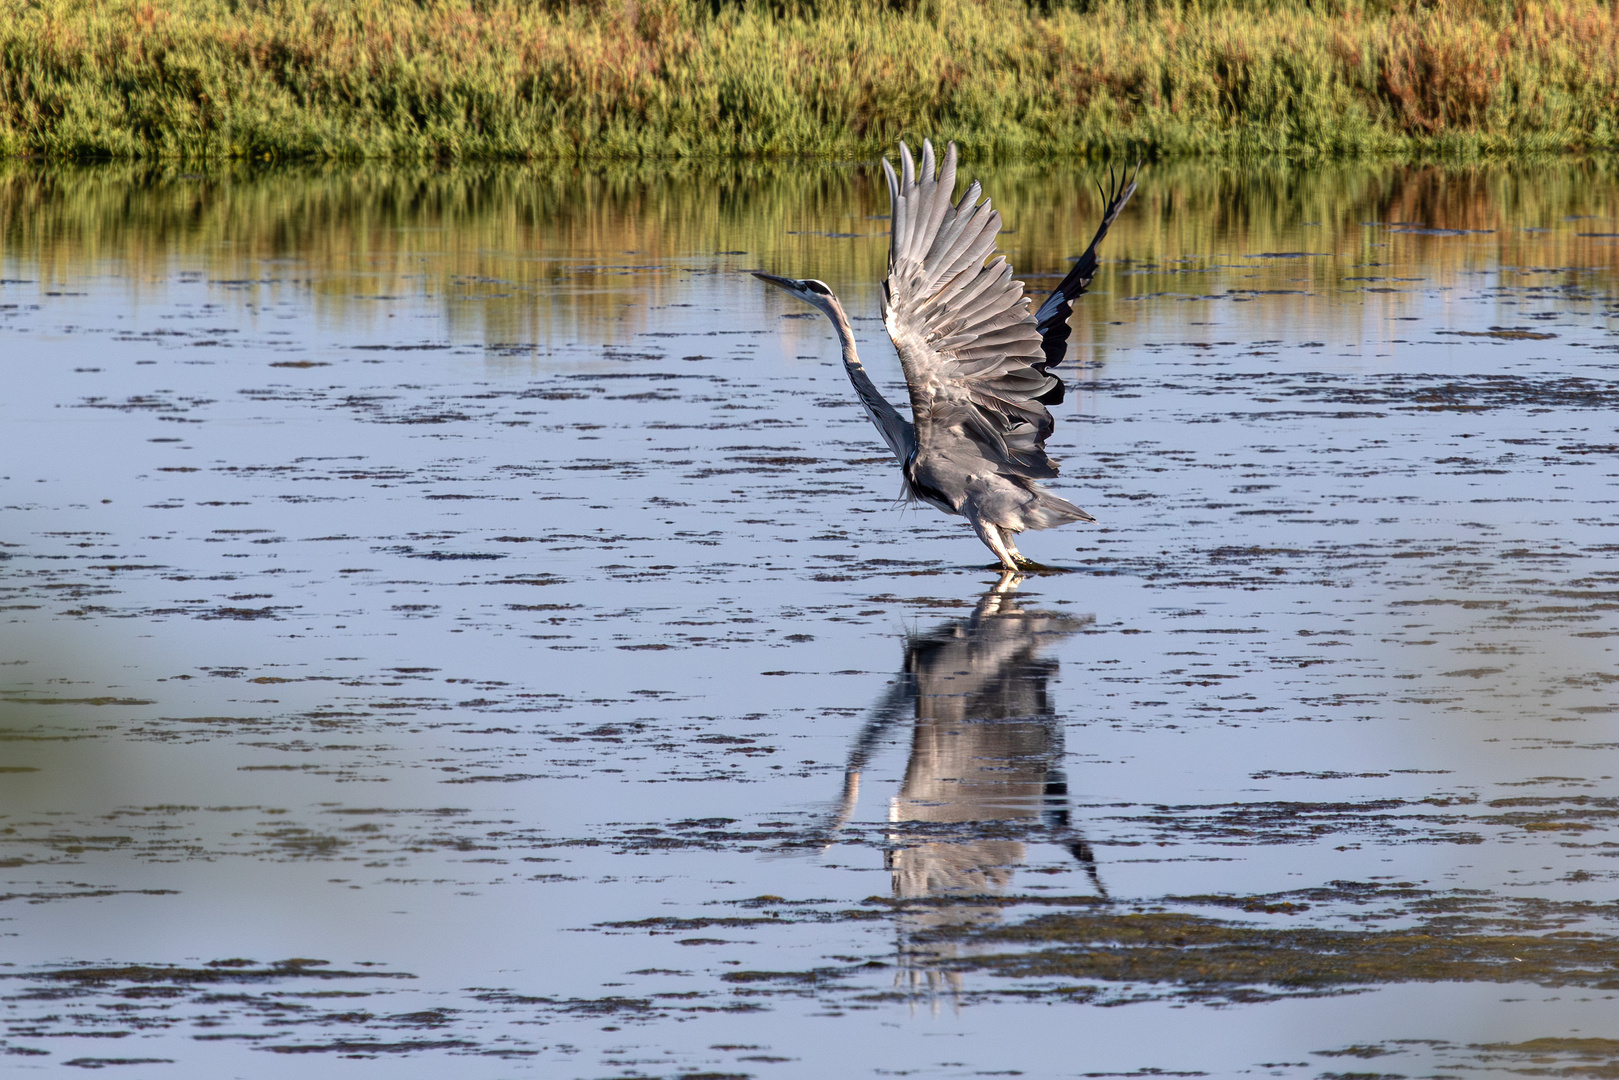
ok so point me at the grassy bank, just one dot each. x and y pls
(493, 79)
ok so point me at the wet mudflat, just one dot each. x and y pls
(456, 622)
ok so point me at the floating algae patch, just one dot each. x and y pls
(215, 972)
(1445, 938)
(1094, 952)
(1595, 1058)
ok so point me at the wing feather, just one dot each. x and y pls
(955, 234)
(968, 291)
(932, 204)
(975, 355)
(1052, 316)
(959, 261)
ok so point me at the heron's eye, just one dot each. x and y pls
(817, 287)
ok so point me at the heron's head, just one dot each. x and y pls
(812, 292)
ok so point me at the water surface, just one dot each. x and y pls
(458, 622)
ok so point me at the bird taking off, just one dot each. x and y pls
(977, 360)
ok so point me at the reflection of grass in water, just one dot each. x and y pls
(62, 778)
(615, 241)
(51, 744)
(625, 78)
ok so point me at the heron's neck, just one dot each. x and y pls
(851, 356)
(888, 420)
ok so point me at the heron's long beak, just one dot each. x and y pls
(780, 282)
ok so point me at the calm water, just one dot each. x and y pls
(456, 623)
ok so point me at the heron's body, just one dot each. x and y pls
(975, 358)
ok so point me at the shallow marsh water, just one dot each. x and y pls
(456, 624)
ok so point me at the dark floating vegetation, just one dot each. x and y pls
(1074, 949)
(1077, 943)
(1452, 938)
(234, 970)
(605, 79)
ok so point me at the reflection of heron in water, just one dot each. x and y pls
(986, 750)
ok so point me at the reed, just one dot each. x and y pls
(628, 79)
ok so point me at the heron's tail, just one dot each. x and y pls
(1047, 511)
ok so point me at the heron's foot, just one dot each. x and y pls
(1010, 580)
(1027, 565)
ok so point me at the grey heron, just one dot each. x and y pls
(976, 358)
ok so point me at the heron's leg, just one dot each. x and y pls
(991, 536)
(1009, 538)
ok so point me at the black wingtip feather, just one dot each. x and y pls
(1053, 314)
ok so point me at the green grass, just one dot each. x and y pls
(627, 79)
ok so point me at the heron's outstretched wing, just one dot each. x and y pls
(1051, 319)
(963, 329)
